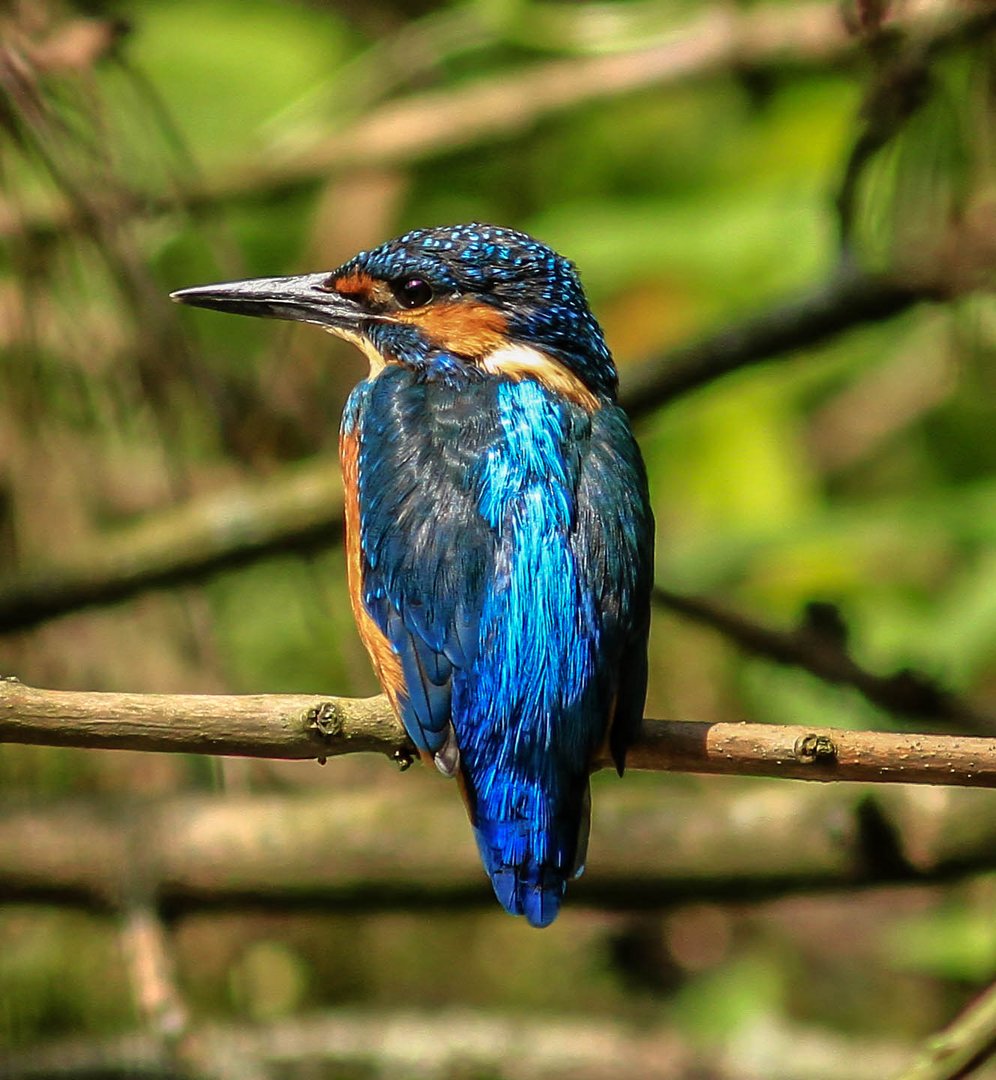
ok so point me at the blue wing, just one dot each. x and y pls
(506, 555)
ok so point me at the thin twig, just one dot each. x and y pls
(823, 653)
(149, 960)
(301, 726)
(850, 298)
(967, 1042)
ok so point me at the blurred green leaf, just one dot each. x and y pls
(223, 68)
(952, 942)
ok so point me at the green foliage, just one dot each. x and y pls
(44, 995)
(953, 941)
(224, 69)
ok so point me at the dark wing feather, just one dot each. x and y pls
(614, 542)
(427, 553)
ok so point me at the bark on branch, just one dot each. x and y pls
(962, 1047)
(299, 726)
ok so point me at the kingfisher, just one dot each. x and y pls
(499, 535)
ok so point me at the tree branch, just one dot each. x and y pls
(298, 726)
(284, 726)
(299, 509)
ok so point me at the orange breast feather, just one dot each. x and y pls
(385, 661)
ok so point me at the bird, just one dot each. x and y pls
(498, 527)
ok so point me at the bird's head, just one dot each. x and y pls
(463, 300)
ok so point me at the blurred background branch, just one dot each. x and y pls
(818, 645)
(649, 847)
(438, 1043)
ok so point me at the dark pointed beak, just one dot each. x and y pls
(303, 299)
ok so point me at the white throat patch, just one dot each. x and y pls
(524, 362)
(375, 358)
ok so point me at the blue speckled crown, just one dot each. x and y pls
(538, 290)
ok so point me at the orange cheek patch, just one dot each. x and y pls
(357, 285)
(462, 327)
(361, 287)
(385, 660)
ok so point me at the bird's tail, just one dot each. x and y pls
(530, 861)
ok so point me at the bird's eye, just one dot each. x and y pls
(412, 292)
